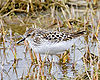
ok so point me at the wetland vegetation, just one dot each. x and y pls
(19, 62)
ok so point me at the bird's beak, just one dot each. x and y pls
(21, 40)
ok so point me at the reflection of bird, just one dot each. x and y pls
(50, 42)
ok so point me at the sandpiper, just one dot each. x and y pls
(48, 41)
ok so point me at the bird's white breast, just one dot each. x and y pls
(47, 47)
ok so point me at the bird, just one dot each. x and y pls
(50, 41)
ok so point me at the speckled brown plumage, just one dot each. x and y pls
(54, 36)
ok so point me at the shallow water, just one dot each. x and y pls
(58, 71)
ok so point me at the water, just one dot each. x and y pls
(24, 61)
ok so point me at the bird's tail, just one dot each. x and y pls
(79, 33)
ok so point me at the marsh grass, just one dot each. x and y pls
(71, 16)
